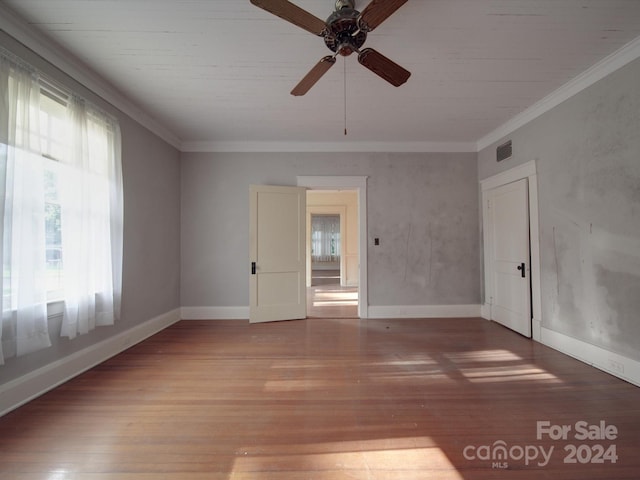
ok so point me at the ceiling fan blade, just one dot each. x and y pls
(383, 67)
(377, 12)
(292, 13)
(314, 75)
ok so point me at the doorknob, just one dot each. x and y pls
(522, 269)
(253, 268)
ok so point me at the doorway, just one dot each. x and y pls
(289, 291)
(357, 184)
(332, 254)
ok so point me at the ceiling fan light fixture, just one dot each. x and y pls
(344, 32)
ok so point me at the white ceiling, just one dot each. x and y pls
(220, 71)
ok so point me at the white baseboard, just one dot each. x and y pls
(423, 311)
(380, 311)
(485, 311)
(613, 363)
(215, 313)
(21, 390)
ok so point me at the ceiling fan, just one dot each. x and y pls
(344, 32)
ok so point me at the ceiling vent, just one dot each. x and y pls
(503, 151)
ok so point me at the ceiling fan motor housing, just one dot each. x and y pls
(344, 35)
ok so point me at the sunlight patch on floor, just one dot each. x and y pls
(356, 457)
(335, 303)
(332, 299)
(489, 355)
(509, 373)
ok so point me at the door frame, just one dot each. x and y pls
(358, 184)
(528, 171)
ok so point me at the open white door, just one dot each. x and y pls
(508, 214)
(277, 253)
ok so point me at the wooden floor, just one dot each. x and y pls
(332, 301)
(327, 399)
(326, 298)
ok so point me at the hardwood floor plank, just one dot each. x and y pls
(330, 300)
(324, 399)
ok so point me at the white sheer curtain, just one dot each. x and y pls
(90, 186)
(24, 296)
(325, 238)
(87, 177)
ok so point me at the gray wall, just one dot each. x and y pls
(151, 271)
(423, 207)
(587, 153)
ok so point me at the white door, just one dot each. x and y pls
(510, 289)
(277, 253)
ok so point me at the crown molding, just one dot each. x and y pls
(606, 66)
(43, 46)
(356, 147)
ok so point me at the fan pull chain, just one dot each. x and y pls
(345, 94)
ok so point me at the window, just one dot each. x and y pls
(325, 238)
(61, 210)
(52, 127)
